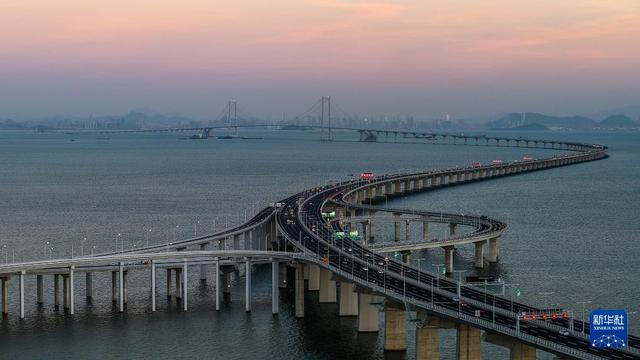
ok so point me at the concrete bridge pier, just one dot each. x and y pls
(348, 299)
(406, 256)
(236, 242)
(184, 285)
(39, 290)
(396, 227)
(275, 287)
(153, 285)
(56, 290)
(367, 314)
(427, 339)
(494, 250)
(65, 291)
(88, 285)
(299, 290)
(479, 254)
(5, 295)
(121, 287)
(218, 276)
(314, 277)
(448, 257)
(203, 268)
(246, 237)
(468, 343)
(282, 279)
(425, 230)
(518, 349)
(125, 288)
(178, 290)
(452, 229)
(168, 283)
(247, 285)
(407, 236)
(72, 301)
(395, 323)
(21, 292)
(327, 287)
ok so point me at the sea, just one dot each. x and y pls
(572, 238)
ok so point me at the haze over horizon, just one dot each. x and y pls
(424, 58)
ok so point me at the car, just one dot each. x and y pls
(564, 332)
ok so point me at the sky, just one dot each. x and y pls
(406, 57)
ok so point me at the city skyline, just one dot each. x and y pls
(408, 57)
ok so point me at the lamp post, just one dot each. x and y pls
(583, 303)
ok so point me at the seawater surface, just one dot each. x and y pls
(573, 231)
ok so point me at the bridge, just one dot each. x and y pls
(301, 245)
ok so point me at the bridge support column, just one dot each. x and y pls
(247, 286)
(282, 279)
(425, 230)
(468, 343)
(396, 227)
(218, 281)
(5, 295)
(178, 291)
(372, 230)
(494, 250)
(236, 242)
(367, 314)
(479, 255)
(519, 350)
(88, 285)
(56, 290)
(153, 285)
(65, 291)
(452, 229)
(299, 290)
(448, 258)
(72, 301)
(427, 341)
(120, 287)
(314, 277)
(348, 300)
(39, 290)
(184, 285)
(395, 323)
(407, 236)
(275, 287)
(168, 283)
(246, 237)
(327, 287)
(406, 256)
(203, 268)
(21, 293)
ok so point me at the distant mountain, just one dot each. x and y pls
(618, 121)
(517, 120)
(632, 111)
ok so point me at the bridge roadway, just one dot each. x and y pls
(410, 285)
(299, 222)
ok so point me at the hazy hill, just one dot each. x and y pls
(618, 121)
(516, 120)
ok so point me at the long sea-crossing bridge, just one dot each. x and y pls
(298, 238)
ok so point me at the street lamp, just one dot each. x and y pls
(583, 303)
(117, 236)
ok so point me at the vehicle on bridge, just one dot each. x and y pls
(476, 164)
(496, 162)
(527, 158)
(367, 176)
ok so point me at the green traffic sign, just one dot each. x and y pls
(518, 292)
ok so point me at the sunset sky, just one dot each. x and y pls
(421, 57)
